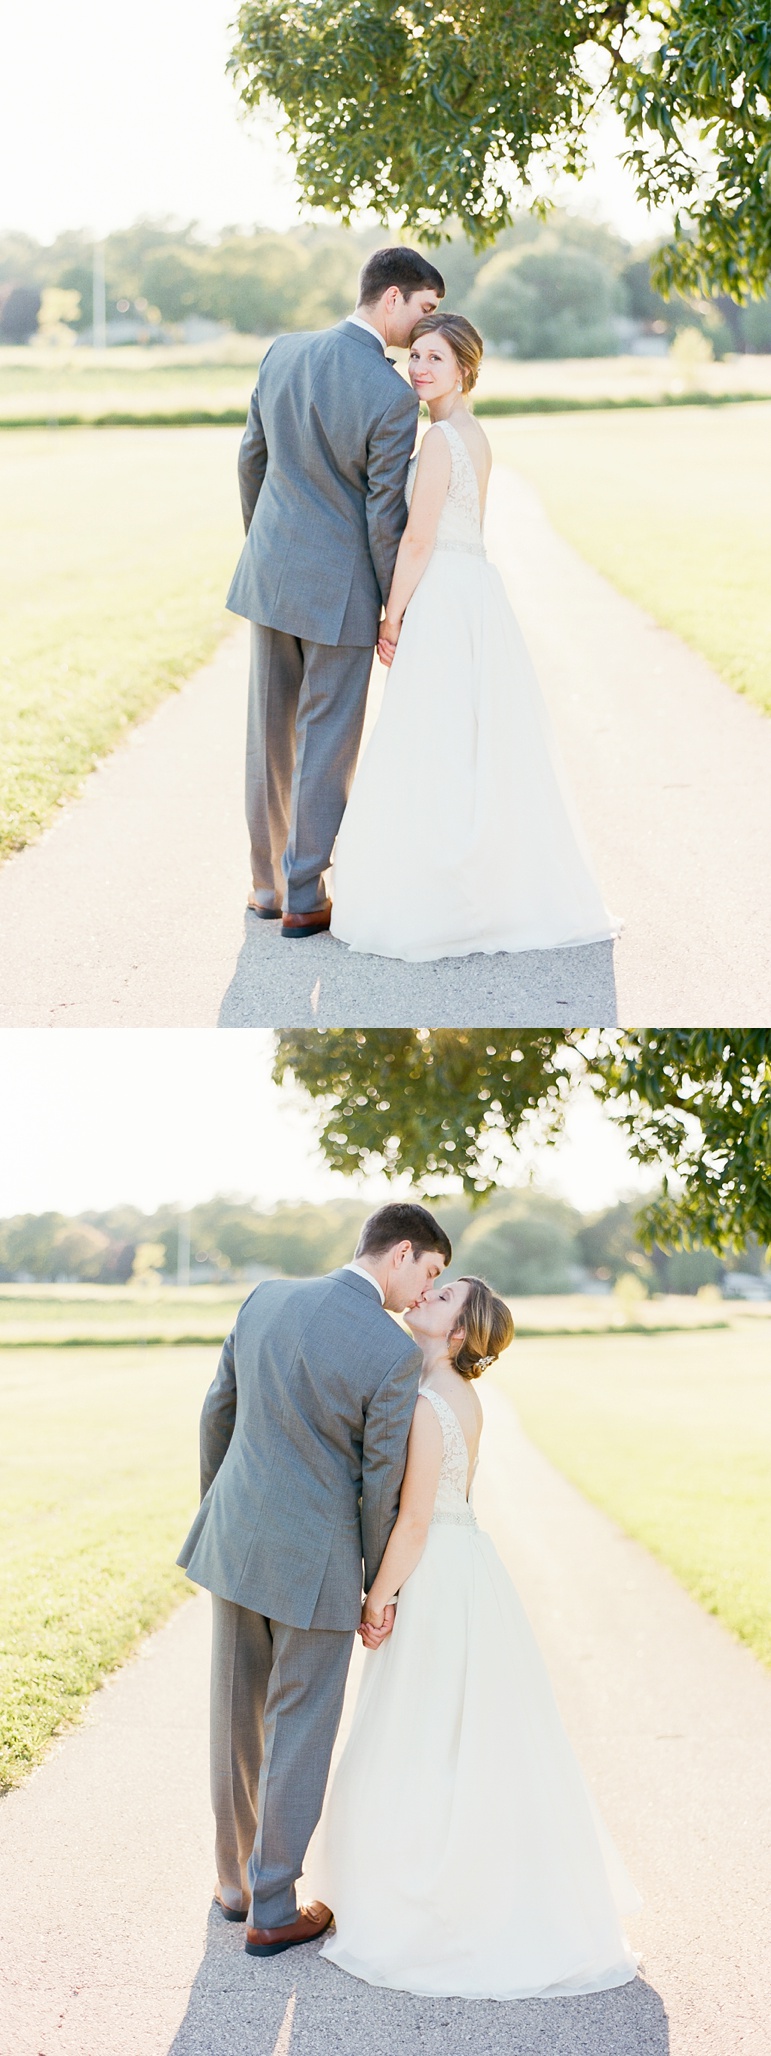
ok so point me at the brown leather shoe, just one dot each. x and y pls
(307, 924)
(263, 913)
(229, 1911)
(310, 1923)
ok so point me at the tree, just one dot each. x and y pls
(525, 1245)
(756, 333)
(547, 302)
(608, 1244)
(261, 282)
(438, 111)
(698, 1103)
(297, 1240)
(449, 1103)
(687, 1270)
(429, 1103)
(59, 311)
(505, 306)
(27, 1244)
(256, 280)
(19, 310)
(149, 1260)
(79, 1251)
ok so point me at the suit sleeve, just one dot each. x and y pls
(218, 1416)
(390, 448)
(386, 1431)
(252, 459)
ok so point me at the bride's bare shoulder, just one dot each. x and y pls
(460, 1395)
(434, 448)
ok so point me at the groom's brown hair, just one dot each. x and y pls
(403, 1222)
(397, 266)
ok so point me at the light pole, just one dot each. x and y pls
(183, 1250)
(99, 324)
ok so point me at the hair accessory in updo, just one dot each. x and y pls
(483, 1363)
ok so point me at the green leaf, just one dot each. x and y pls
(437, 113)
(449, 1103)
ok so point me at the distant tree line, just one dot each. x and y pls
(521, 1240)
(564, 288)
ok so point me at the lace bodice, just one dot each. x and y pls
(451, 1507)
(459, 525)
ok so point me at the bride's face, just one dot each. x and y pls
(433, 368)
(438, 1313)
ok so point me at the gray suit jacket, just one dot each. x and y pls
(322, 471)
(303, 1445)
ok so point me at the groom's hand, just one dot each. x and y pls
(376, 1625)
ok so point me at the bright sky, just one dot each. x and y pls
(90, 1118)
(108, 113)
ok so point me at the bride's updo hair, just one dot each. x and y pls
(487, 1329)
(465, 342)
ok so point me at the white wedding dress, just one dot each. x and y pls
(459, 1847)
(460, 834)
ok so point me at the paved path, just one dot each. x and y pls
(109, 1945)
(130, 911)
(672, 773)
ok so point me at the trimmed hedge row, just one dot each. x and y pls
(235, 417)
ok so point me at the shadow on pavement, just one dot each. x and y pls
(319, 983)
(299, 2005)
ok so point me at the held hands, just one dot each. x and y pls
(387, 641)
(376, 1624)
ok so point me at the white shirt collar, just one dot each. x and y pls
(358, 321)
(361, 1273)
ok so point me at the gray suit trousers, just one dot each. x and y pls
(306, 712)
(276, 1700)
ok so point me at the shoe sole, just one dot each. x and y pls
(278, 1948)
(313, 928)
(229, 1912)
(265, 913)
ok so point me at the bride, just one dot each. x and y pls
(459, 833)
(459, 1846)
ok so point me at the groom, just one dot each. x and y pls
(303, 1445)
(322, 472)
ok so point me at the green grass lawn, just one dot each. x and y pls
(98, 1482)
(675, 508)
(117, 547)
(671, 1436)
(70, 1314)
(116, 551)
(46, 383)
(87, 383)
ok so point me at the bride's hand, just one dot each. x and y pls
(376, 1624)
(387, 641)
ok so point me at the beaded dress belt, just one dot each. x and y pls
(467, 549)
(464, 1518)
